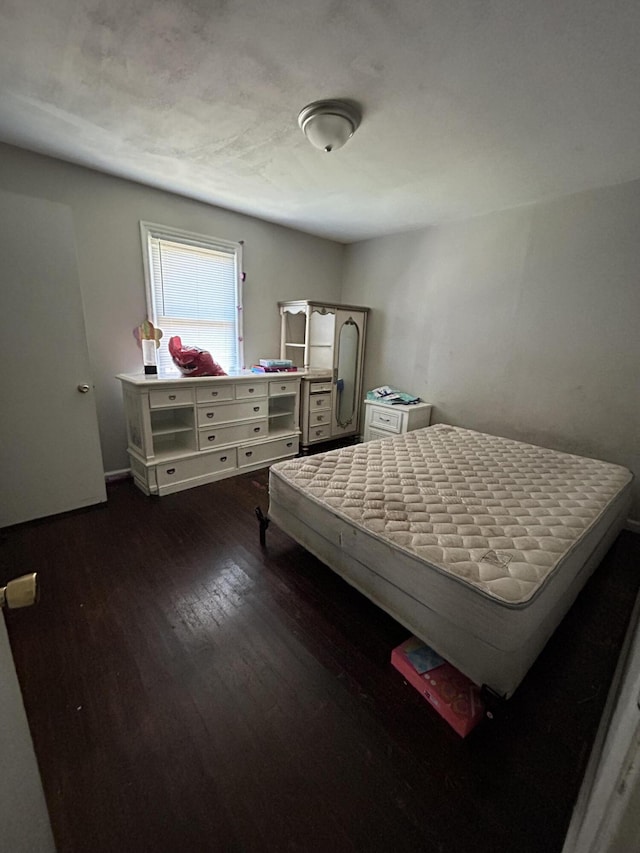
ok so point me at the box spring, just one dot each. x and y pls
(477, 544)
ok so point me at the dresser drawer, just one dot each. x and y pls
(319, 401)
(373, 434)
(319, 433)
(268, 451)
(214, 393)
(251, 389)
(232, 434)
(319, 387)
(160, 397)
(230, 412)
(195, 466)
(286, 386)
(386, 419)
(319, 418)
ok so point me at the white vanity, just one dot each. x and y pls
(327, 340)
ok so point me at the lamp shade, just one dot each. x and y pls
(329, 124)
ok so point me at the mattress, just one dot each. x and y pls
(478, 544)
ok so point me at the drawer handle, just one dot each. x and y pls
(289, 444)
(249, 453)
(257, 429)
(384, 420)
(211, 438)
(256, 408)
(210, 414)
(172, 396)
(251, 390)
(320, 417)
(171, 470)
(318, 432)
(283, 387)
(223, 458)
(214, 393)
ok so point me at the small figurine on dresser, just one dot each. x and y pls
(148, 339)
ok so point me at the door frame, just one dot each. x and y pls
(606, 808)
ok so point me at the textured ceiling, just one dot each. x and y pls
(469, 105)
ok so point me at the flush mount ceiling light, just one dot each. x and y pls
(329, 124)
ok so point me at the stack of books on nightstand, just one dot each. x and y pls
(391, 396)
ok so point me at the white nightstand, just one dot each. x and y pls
(383, 420)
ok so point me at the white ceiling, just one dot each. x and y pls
(469, 105)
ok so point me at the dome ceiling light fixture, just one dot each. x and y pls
(329, 124)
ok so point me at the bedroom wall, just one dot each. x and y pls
(524, 323)
(280, 263)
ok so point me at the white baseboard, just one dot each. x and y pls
(633, 526)
(112, 476)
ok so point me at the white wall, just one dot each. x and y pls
(523, 323)
(280, 264)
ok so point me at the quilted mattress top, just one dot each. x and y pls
(495, 513)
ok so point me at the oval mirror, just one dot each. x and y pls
(347, 367)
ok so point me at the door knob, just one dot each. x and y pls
(20, 592)
(83, 389)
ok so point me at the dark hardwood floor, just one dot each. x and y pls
(189, 692)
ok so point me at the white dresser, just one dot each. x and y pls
(186, 432)
(382, 419)
(317, 409)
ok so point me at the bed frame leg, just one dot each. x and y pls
(264, 523)
(494, 703)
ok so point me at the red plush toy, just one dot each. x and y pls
(193, 361)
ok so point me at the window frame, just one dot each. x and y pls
(192, 238)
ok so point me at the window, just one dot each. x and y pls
(194, 290)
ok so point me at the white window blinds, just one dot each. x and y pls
(194, 291)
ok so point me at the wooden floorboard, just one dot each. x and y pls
(188, 691)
